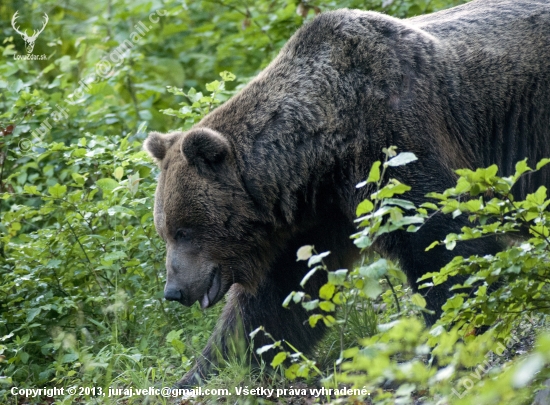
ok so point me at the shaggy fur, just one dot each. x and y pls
(276, 166)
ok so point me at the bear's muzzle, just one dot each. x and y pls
(172, 294)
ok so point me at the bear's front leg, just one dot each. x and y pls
(243, 313)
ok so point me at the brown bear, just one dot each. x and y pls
(276, 166)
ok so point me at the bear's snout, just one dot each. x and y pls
(192, 283)
(171, 294)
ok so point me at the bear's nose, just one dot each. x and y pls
(172, 294)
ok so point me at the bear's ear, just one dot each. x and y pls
(157, 144)
(204, 146)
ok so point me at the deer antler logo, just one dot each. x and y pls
(29, 40)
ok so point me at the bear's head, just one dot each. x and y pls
(205, 216)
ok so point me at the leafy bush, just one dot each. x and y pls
(450, 363)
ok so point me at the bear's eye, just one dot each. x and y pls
(183, 234)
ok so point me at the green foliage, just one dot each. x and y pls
(83, 275)
(516, 279)
(507, 292)
(197, 105)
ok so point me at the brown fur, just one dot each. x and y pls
(276, 166)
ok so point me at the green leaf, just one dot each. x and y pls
(173, 335)
(375, 270)
(490, 172)
(402, 159)
(227, 76)
(338, 298)
(364, 207)
(69, 358)
(57, 191)
(292, 372)
(288, 298)
(78, 178)
(542, 163)
(418, 300)
(405, 204)
(310, 305)
(327, 306)
(213, 86)
(304, 252)
(430, 206)
(462, 186)
(374, 174)
(107, 184)
(454, 302)
(472, 205)
(278, 359)
(118, 173)
(540, 195)
(390, 151)
(372, 288)
(313, 319)
(298, 296)
(327, 291)
(178, 346)
(116, 255)
(390, 190)
(33, 312)
(329, 320)
(337, 277)
(79, 152)
(265, 348)
(350, 353)
(317, 258)
(522, 167)
(31, 189)
(255, 332)
(450, 244)
(24, 357)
